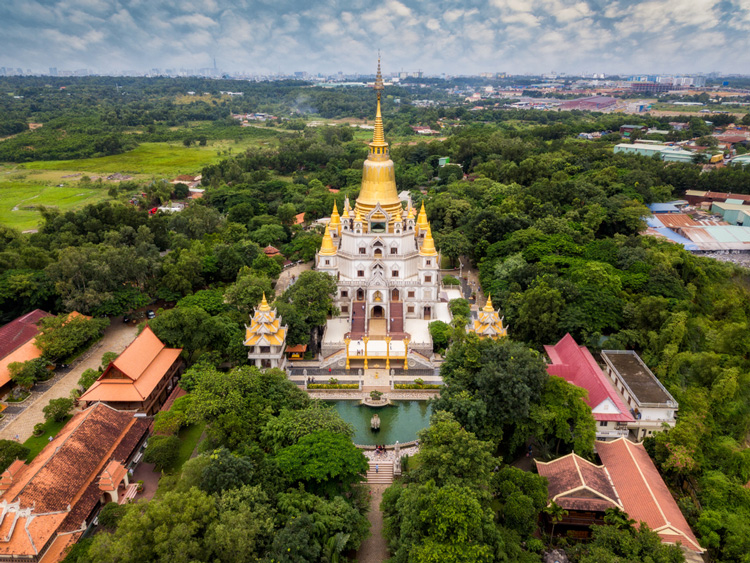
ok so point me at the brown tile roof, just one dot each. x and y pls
(644, 495)
(110, 478)
(19, 331)
(676, 220)
(577, 484)
(60, 486)
(143, 364)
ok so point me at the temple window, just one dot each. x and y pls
(429, 262)
(360, 273)
(363, 251)
(411, 294)
(394, 273)
(410, 309)
(344, 293)
(427, 279)
(328, 262)
(345, 308)
(394, 250)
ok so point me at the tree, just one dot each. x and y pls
(291, 425)
(556, 513)
(88, 377)
(312, 298)
(26, 374)
(441, 333)
(453, 245)
(210, 300)
(61, 336)
(609, 543)
(10, 451)
(226, 471)
(246, 293)
(518, 498)
(170, 529)
(267, 266)
(323, 461)
(449, 454)
(108, 358)
(162, 451)
(460, 308)
(58, 409)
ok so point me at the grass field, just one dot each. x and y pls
(19, 201)
(161, 159)
(36, 443)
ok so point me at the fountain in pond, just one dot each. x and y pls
(375, 423)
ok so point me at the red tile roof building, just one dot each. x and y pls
(47, 504)
(576, 365)
(141, 378)
(643, 492)
(627, 479)
(17, 342)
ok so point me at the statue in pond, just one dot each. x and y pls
(375, 422)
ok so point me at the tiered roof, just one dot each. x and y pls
(643, 492)
(489, 323)
(576, 365)
(265, 328)
(136, 372)
(577, 484)
(57, 491)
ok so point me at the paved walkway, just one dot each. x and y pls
(374, 549)
(285, 278)
(116, 338)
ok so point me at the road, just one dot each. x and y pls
(116, 338)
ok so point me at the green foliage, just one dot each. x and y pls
(210, 300)
(450, 280)
(108, 358)
(441, 334)
(291, 425)
(460, 308)
(323, 461)
(416, 386)
(88, 377)
(609, 543)
(162, 451)
(11, 451)
(26, 374)
(225, 471)
(62, 336)
(333, 385)
(58, 409)
(111, 514)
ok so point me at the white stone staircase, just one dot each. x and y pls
(384, 476)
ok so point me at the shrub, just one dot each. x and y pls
(333, 381)
(111, 514)
(26, 374)
(38, 429)
(450, 280)
(58, 409)
(416, 386)
(419, 381)
(108, 357)
(375, 395)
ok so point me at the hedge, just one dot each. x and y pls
(416, 386)
(333, 386)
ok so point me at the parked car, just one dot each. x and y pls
(150, 314)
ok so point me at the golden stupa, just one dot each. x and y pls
(378, 174)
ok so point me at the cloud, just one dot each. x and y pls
(262, 36)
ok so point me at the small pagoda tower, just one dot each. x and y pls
(266, 337)
(490, 324)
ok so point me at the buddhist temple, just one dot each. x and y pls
(266, 337)
(489, 324)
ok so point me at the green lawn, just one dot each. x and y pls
(19, 201)
(162, 159)
(36, 444)
(189, 436)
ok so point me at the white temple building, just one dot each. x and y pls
(384, 259)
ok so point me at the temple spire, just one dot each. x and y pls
(264, 306)
(378, 137)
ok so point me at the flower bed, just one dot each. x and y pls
(333, 386)
(416, 386)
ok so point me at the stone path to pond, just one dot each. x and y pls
(116, 338)
(374, 549)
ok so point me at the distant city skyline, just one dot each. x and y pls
(265, 37)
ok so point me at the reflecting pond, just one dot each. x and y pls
(400, 421)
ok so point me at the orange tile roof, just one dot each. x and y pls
(23, 353)
(143, 364)
(577, 484)
(57, 551)
(112, 476)
(299, 218)
(53, 494)
(644, 495)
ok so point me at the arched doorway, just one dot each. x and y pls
(377, 312)
(360, 295)
(395, 295)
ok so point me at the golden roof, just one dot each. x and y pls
(327, 248)
(264, 306)
(265, 327)
(488, 306)
(428, 244)
(422, 219)
(489, 324)
(411, 213)
(378, 175)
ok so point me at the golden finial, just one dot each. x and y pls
(327, 248)
(357, 216)
(264, 306)
(410, 215)
(379, 77)
(422, 219)
(428, 245)
(335, 218)
(488, 306)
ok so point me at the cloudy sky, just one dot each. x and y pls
(466, 36)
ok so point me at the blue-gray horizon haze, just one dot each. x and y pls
(468, 37)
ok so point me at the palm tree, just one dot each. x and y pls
(334, 546)
(556, 513)
(619, 519)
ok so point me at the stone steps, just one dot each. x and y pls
(384, 475)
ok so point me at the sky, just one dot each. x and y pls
(435, 36)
